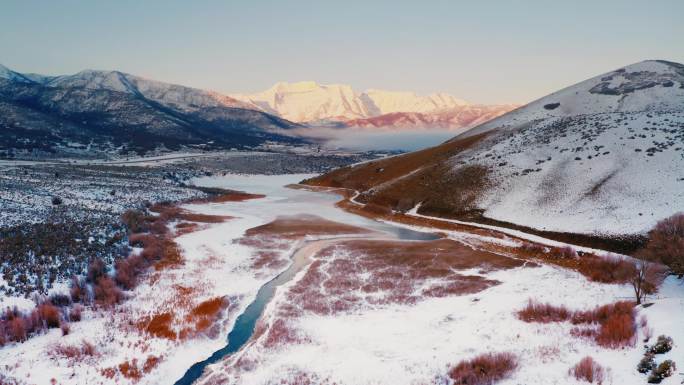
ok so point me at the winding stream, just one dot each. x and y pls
(243, 329)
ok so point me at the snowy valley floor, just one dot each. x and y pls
(385, 310)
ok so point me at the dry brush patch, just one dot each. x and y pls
(485, 369)
(611, 326)
(590, 371)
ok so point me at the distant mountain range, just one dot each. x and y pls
(604, 157)
(94, 112)
(110, 111)
(317, 104)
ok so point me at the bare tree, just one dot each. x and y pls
(644, 276)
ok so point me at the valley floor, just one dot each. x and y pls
(373, 303)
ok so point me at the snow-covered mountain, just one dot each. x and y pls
(113, 111)
(310, 102)
(603, 156)
(458, 118)
(177, 96)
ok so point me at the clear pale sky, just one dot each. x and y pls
(482, 51)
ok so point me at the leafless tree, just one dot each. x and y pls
(644, 276)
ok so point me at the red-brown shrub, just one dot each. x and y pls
(484, 369)
(65, 328)
(566, 252)
(130, 370)
(17, 329)
(532, 248)
(150, 363)
(78, 290)
(544, 313)
(135, 220)
(602, 313)
(617, 331)
(127, 271)
(48, 315)
(666, 243)
(96, 269)
(106, 293)
(616, 322)
(160, 326)
(75, 313)
(606, 269)
(588, 370)
(159, 227)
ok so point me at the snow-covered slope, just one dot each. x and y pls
(392, 101)
(309, 101)
(604, 156)
(312, 102)
(177, 96)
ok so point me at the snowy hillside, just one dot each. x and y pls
(312, 102)
(602, 157)
(609, 157)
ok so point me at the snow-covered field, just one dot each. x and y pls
(400, 343)
(417, 344)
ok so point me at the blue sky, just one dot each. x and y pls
(483, 51)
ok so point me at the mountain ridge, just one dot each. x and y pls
(111, 111)
(314, 103)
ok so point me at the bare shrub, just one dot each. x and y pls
(485, 369)
(78, 290)
(127, 271)
(606, 269)
(48, 314)
(96, 269)
(135, 220)
(589, 371)
(106, 293)
(616, 322)
(666, 243)
(544, 313)
(566, 252)
(533, 249)
(617, 331)
(60, 300)
(75, 313)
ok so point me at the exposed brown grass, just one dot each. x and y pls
(159, 325)
(299, 226)
(485, 369)
(387, 272)
(74, 353)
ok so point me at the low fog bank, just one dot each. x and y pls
(378, 140)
